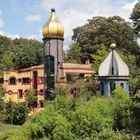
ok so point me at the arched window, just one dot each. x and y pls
(41, 91)
(12, 81)
(122, 85)
(112, 86)
(102, 91)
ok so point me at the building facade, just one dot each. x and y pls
(16, 82)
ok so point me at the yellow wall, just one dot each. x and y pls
(24, 73)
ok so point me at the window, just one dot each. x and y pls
(41, 79)
(25, 80)
(72, 77)
(12, 81)
(112, 86)
(1, 80)
(41, 91)
(102, 92)
(122, 85)
(19, 80)
(20, 94)
(10, 92)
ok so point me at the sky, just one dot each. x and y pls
(25, 18)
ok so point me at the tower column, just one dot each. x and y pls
(53, 33)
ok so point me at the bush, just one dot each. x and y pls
(71, 118)
(14, 113)
(92, 118)
(50, 124)
(30, 98)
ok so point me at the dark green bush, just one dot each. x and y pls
(13, 113)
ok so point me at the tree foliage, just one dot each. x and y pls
(102, 30)
(19, 53)
(135, 16)
(73, 55)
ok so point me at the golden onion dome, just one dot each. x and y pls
(53, 28)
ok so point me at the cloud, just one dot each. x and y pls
(9, 35)
(36, 36)
(33, 18)
(13, 36)
(130, 6)
(1, 21)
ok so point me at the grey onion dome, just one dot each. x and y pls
(113, 65)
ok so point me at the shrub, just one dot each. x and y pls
(14, 113)
(92, 118)
(50, 124)
(30, 98)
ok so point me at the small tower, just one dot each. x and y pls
(53, 33)
(113, 72)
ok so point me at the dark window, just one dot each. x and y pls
(69, 78)
(122, 85)
(49, 71)
(12, 81)
(35, 75)
(49, 64)
(41, 79)
(41, 91)
(20, 93)
(72, 77)
(19, 80)
(1, 80)
(112, 86)
(25, 80)
(102, 92)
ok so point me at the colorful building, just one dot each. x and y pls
(17, 82)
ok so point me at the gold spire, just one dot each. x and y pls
(113, 46)
(53, 28)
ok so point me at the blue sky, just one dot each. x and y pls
(25, 18)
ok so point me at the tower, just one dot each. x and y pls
(53, 32)
(113, 72)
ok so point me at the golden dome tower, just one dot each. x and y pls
(53, 33)
(53, 28)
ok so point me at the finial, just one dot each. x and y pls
(113, 46)
(53, 9)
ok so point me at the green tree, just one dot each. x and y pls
(27, 53)
(135, 16)
(73, 54)
(102, 30)
(6, 61)
(99, 56)
(20, 53)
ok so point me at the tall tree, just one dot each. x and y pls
(135, 16)
(19, 53)
(73, 54)
(102, 30)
